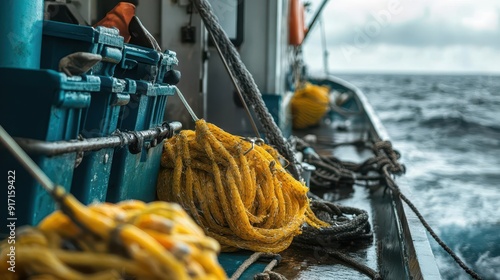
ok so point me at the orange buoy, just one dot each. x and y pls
(295, 23)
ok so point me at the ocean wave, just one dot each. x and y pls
(457, 121)
(477, 246)
(447, 129)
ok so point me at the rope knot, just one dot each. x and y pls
(384, 148)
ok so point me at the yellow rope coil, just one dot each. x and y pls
(144, 242)
(309, 105)
(240, 196)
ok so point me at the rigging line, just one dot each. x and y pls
(395, 167)
(273, 133)
(323, 43)
(235, 83)
(186, 104)
(313, 21)
(395, 188)
(392, 155)
(26, 161)
(254, 258)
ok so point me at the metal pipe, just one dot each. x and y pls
(93, 144)
(21, 26)
(25, 160)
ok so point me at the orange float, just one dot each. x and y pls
(296, 27)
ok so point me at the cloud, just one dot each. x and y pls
(390, 58)
(482, 20)
(424, 35)
(419, 32)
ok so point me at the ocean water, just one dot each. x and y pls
(448, 131)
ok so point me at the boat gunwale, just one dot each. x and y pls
(416, 250)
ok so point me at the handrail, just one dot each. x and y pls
(118, 139)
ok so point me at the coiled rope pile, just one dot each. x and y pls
(237, 191)
(129, 240)
(309, 105)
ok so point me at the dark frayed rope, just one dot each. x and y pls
(342, 228)
(393, 167)
(346, 223)
(332, 172)
(386, 163)
(395, 189)
(247, 85)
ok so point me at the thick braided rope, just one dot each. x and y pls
(143, 241)
(240, 196)
(343, 228)
(247, 84)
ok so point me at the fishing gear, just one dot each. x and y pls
(105, 241)
(236, 190)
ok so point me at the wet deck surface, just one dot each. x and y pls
(307, 264)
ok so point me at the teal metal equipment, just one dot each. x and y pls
(21, 33)
(61, 39)
(90, 180)
(135, 170)
(46, 106)
(42, 105)
(140, 63)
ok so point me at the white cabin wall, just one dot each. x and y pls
(149, 12)
(173, 16)
(262, 53)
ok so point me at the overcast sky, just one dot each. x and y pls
(409, 36)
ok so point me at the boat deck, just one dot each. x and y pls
(300, 264)
(399, 248)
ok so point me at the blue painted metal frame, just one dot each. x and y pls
(134, 176)
(61, 39)
(43, 105)
(21, 30)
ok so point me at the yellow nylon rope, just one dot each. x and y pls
(245, 201)
(160, 241)
(309, 104)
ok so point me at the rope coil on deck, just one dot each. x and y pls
(347, 224)
(129, 240)
(241, 196)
